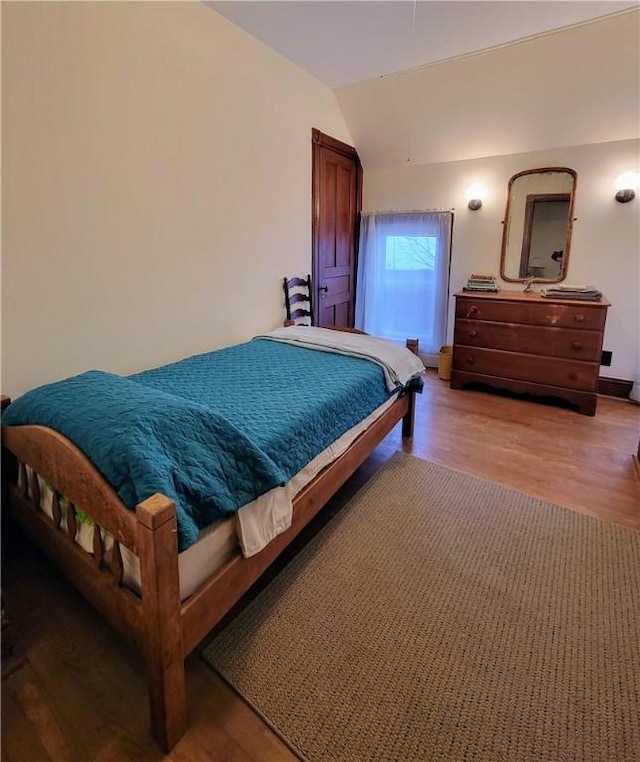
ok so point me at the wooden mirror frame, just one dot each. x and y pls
(527, 235)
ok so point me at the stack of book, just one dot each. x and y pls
(481, 282)
(566, 291)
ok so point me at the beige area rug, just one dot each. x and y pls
(442, 617)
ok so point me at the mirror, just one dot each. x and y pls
(537, 225)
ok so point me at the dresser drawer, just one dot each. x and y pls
(554, 371)
(533, 339)
(589, 317)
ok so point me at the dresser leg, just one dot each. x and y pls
(588, 406)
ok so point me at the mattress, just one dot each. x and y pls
(250, 529)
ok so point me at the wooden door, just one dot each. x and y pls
(337, 200)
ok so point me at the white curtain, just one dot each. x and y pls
(403, 277)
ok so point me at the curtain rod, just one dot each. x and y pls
(409, 211)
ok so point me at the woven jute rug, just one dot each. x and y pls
(442, 617)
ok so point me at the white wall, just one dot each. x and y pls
(572, 87)
(605, 247)
(156, 184)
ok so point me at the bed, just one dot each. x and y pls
(162, 574)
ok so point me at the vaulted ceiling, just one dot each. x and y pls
(345, 42)
(428, 82)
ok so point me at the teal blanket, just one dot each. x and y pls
(213, 431)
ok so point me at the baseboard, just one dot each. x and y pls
(614, 387)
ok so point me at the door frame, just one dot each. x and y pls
(532, 200)
(318, 141)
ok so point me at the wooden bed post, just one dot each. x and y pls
(407, 422)
(160, 588)
(10, 533)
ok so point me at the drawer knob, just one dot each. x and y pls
(579, 318)
(472, 311)
(471, 360)
(473, 332)
(573, 376)
(576, 345)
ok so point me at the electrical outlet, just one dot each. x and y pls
(605, 358)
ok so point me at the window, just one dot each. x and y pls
(410, 252)
(403, 277)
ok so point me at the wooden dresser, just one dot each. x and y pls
(528, 343)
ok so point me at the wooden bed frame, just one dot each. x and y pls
(165, 629)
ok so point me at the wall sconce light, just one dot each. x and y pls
(474, 194)
(626, 186)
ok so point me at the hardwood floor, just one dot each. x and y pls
(80, 694)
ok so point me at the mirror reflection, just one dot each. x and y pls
(537, 225)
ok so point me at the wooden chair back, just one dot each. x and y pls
(298, 301)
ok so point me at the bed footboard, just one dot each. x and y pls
(33, 455)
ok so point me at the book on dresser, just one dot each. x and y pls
(481, 282)
(529, 343)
